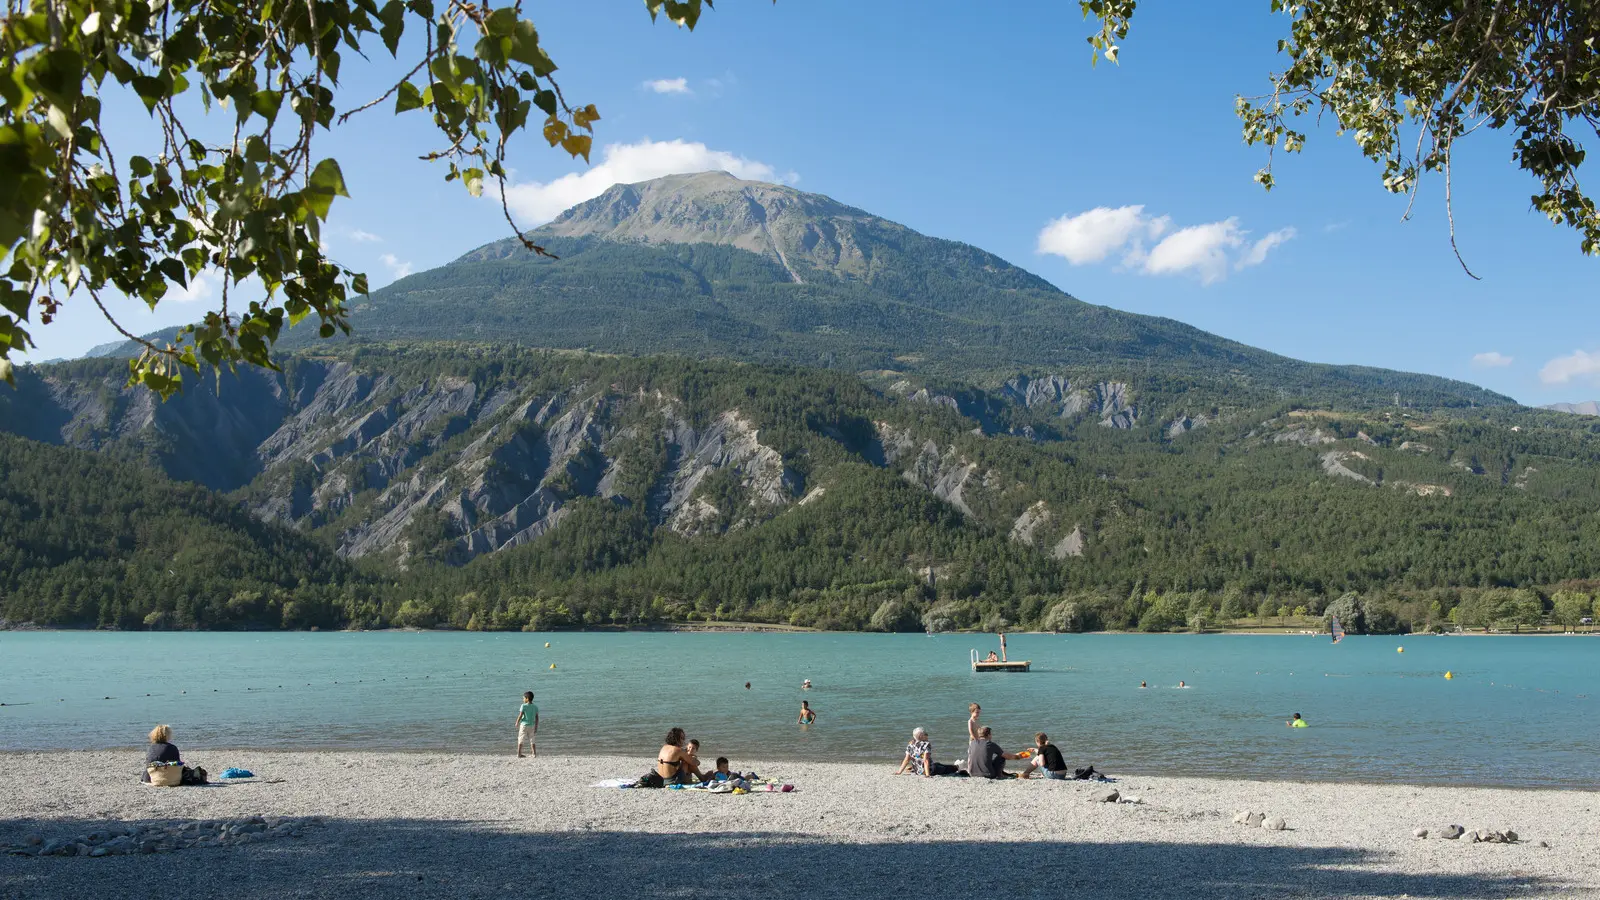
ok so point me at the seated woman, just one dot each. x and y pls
(672, 760)
(161, 750)
(919, 757)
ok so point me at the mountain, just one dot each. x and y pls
(710, 265)
(729, 400)
(1585, 408)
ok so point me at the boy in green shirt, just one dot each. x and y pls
(527, 725)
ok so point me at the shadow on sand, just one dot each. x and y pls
(399, 858)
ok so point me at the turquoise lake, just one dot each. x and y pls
(1519, 711)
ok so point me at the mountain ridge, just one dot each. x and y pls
(711, 265)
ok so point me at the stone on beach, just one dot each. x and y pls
(1419, 832)
(1274, 824)
(1448, 832)
(1104, 796)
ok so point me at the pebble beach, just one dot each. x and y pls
(356, 825)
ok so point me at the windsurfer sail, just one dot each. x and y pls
(1337, 630)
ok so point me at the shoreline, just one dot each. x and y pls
(773, 628)
(432, 824)
(131, 755)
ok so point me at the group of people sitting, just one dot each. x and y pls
(986, 759)
(678, 762)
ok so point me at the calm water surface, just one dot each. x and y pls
(1520, 711)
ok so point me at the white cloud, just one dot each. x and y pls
(201, 287)
(1200, 250)
(1204, 251)
(364, 237)
(627, 163)
(1491, 360)
(1563, 369)
(669, 86)
(1257, 254)
(397, 268)
(1094, 235)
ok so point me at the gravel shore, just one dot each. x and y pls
(355, 825)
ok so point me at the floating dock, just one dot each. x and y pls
(979, 665)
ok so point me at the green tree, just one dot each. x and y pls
(1406, 81)
(1351, 611)
(78, 219)
(1570, 607)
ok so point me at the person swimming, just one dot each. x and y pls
(807, 714)
(805, 685)
(1143, 684)
(1182, 685)
(1297, 722)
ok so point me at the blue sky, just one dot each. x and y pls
(989, 126)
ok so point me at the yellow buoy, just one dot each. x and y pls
(1397, 649)
(547, 644)
(1448, 675)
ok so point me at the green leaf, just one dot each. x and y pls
(393, 16)
(326, 182)
(407, 98)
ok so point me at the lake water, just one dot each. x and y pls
(1520, 711)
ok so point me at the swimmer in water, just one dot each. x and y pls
(1143, 685)
(1297, 722)
(747, 685)
(1182, 685)
(805, 685)
(807, 715)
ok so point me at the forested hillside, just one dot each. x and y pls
(493, 488)
(89, 541)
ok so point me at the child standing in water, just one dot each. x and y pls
(527, 725)
(807, 716)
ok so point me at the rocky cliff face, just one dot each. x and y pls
(373, 457)
(393, 459)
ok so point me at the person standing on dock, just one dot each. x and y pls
(1002, 646)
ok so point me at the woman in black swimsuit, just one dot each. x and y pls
(671, 761)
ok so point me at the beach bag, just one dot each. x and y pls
(1085, 773)
(165, 776)
(195, 775)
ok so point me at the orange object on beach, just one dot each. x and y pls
(1025, 754)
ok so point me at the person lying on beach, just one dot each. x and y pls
(807, 714)
(670, 760)
(985, 759)
(722, 774)
(161, 750)
(1046, 760)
